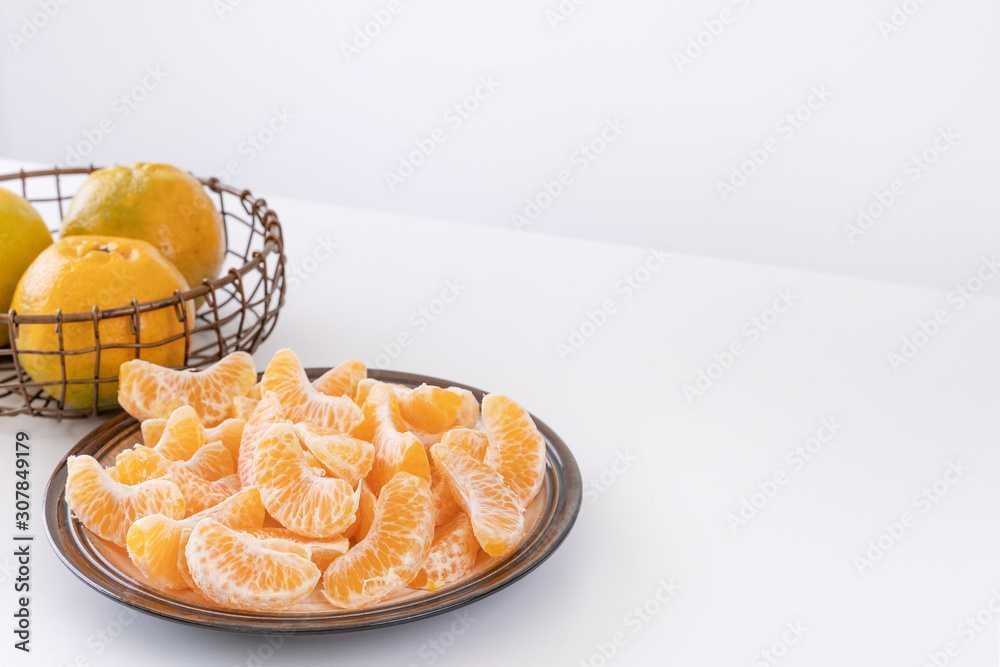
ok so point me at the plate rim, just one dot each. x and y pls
(562, 516)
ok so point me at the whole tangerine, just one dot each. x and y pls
(157, 203)
(80, 272)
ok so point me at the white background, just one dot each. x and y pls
(664, 469)
(227, 71)
(666, 515)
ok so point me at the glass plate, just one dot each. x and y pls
(107, 568)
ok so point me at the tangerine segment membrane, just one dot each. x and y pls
(339, 454)
(237, 571)
(266, 414)
(149, 391)
(320, 551)
(154, 541)
(107, 508)
(516, 449)
(452, 554)
(342, 380)
(392, 553)
(182, 435)
(293, 494)
(472, 442)
(497, 516)
(396, 450)
(366, 514)
(300, 401)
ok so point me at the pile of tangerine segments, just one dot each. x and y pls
(252, 494)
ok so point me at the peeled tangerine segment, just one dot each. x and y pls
(341, 455)
(430, 411)
(243, 406)
(452, 554)
(182, 435)
(152, 430)
(229, 433)
(361, 391)
(152, 544)
(293, 494)
(392, 553)
(238, 571)
(136, 465)
(200, 494)
(141, 463)
(468, 414)
(429, 408)
(107, 508)
(154, 541)
(147, 391)
(396, 450)
(265, 415)
(472, 442)
(445, 506)
(300, 401)
(212, 462)
(365, 514)
(321, 551)
(516, 449)
(341, 380)
(496, 515)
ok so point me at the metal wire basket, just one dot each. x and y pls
(238, 310)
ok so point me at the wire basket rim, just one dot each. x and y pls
(272, 244)
(239, 307)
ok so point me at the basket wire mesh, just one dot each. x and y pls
(238, 309)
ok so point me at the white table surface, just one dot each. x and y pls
(659, 519)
